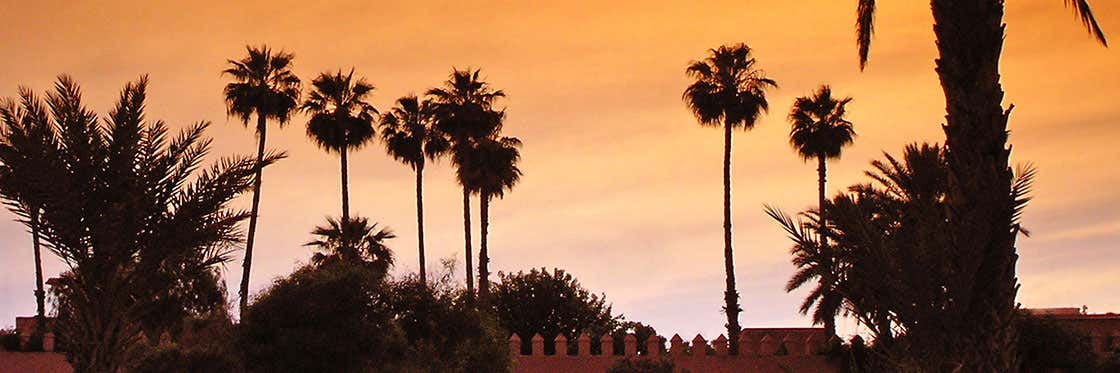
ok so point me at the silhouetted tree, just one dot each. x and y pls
(729, 92)
(410, 137)
(490, 165)
(29, 140)
(341, 119)
(355, 242)
(263, 85)
(127, 209)
(820, 131)
(464, 110)
(329, 318)
(969, 39)
(549, 303)
(891, 268)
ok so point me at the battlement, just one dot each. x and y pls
(761, 349)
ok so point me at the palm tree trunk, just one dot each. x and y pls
(247, 264)
(40, 295)
(467, 238)
(970, 39)
(345, 189)
(420, 217)
(827, 280)
(731, 296)
(483, 255)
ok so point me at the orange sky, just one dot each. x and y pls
(621, 187)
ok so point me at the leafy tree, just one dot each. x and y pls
(445, 331)
(464, 111)
(490, 165)
(322, 319)
(969, 39)
(549, 304)
(128, 210)
(820, 131)
(410, 137)
(728, 91)
(263, 85)
(341, 119)
(343, 317)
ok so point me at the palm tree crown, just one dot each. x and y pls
(490, 166)
(353, 241)
(464, 106)
(728, 89)
(264, 84)
(409, 133)
(341, 119)
(819, 127)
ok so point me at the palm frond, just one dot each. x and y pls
(1085, 14)
(865, 29)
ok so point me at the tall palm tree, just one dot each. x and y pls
(341, 119)
(491, 168)
(353, 241)
(728, 91)
(464, 110)
(820, 131)
(410, 137)
(26, 131)
(969, 38)
(265, 86)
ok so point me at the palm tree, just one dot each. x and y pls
(126, 207)
(410, 137)
(263, 85)
(341, 119)
(464, 110)
(820, 131)
(491, 168)
(969, 38)
(353, 241)
(730, 92)
(26, 130)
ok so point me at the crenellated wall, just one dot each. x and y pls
(760, 350)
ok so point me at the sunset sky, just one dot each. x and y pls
(621, 187)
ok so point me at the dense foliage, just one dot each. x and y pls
(549, 304)
(338, 317)
(890, 260)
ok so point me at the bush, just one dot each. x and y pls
(321, 319)
(9, 339)
(445, 331)
(175, 358)
(630, 365)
